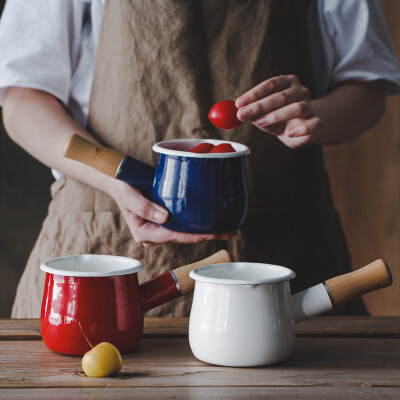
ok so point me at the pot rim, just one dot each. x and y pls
(170, 147)
(261, 273)
(97, 265)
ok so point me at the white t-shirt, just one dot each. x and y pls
(51, 45)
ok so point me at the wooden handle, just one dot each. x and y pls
(102, 158)
(347, 287)
(182, 273)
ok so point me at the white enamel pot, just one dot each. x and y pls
(244, 315)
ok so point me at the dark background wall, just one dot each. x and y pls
(24, 197)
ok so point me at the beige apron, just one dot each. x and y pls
(160, 66)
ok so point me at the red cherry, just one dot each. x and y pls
(223, 115)
(202, 148)
(223, 148)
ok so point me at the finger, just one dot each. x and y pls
(149, 234)
(189, 239)
(276, 129)
(180, 237)
(295, 143)
(300, 109)
(144, 232)
(266, 88)
(146, 209)
(305, 128)
(274, 102)
(154, 234)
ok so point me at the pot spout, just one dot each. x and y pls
(176, 283)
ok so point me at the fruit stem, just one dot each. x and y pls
(84, 334)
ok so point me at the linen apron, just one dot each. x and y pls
(160, 66)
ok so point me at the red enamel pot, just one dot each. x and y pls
(102, 293)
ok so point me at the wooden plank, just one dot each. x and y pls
(316, 362)
(219, 393)
(20, 329)
(379, 327)
(173, 327)
(29, 329)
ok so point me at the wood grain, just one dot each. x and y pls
(102, 158)
(347, 287)
(219, 393)
(320, 368)
(156, 327)
(350, 327)
(365, 179)
(319, 362)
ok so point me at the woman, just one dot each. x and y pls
(158, 71)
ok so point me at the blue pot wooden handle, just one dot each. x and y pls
(110, 162)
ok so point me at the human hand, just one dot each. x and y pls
(281, 106)
(142, 217)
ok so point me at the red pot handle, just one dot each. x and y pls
(175, 283)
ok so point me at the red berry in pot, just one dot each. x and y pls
(202, 148)
(223, 115)
(223, 148)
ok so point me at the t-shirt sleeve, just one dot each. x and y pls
(35, 39)
(360, 43)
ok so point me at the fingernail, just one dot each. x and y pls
(292, 132)
(160, 216)
(240, 102)
(243, 113)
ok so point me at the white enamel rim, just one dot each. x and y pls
(87, 265)
(169, 147)
(261, 273)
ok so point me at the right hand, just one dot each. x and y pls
(281, 106)
(142, 217)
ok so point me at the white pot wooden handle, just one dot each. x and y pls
(347, 287)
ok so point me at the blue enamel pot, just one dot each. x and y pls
(204, 193)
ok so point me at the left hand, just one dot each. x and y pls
(281, 106)
(143, 216)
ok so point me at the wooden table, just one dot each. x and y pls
(346, 358)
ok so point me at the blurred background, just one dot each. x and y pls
(24, 197)
(365, 180)
(365, 177)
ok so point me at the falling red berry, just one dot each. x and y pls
(223, 115)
